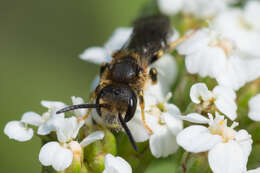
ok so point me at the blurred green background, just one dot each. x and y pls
(39, 48)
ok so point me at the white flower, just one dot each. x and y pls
(208, 53)
(242, 26)
(204, 8)
(116, 165)
(254, 171)
(167, 72)
(45, 122)
(228, 149)
(81, 112)
(78, 101)
(99, 55)
(221, 97)
(170, 7)
(160, 117)
(199, 8)
(18, 130)
(254, 108)
(59, 155)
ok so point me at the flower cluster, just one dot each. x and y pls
(218, 86)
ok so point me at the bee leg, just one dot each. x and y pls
(182, 39)
(153, 75)
(172, 45)
(141, 102)
(93, 96)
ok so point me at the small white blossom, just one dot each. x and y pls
(228, 149)
(254, 171)
(254, 108)
(59, 155)
(46, 122)
(116, 165)
(204, 8)
(81, 112)
(221, 97)
(208, 53)
(199, 8)
(242, 26)
(160, 117)
(99, 55)
(18, 130)
(78, 101)
(170, 7)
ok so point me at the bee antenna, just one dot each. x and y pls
(81, 106)
(127, 131)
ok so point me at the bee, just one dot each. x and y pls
(123, 80)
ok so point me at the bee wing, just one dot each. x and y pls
(150, 35)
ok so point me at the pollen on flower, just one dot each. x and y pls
(159, 108)
(218, 126)
(75, 148)
(225, 44)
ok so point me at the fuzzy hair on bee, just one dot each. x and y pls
(123, 80)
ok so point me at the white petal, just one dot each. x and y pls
(95, 83)
(199, 91)
(32, 118)
(77, 101)
(225, 101)
(16, 130)
(47, 153)
(254, 108)
(227, 158)
(254, 171)
(195, 118)
(45, 129)
(252, 10)
(97, 55)
(174, 124)
(170, 6)
(62, 159)
(167, 71)
(53, 104)
(118, 39)
(50, 125)
(197, 139)
(163, 144)
(209, 61)
(67, 128)
(252, 69)
(245, 142)
(195, 43)
(204, 8)
(116, 165)
(136, 126)
(98, 135)
(234, 75)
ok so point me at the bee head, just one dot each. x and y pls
(118, 99)
(116, 104)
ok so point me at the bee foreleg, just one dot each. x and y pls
(141, 102)
(153, 75)
(182, 39)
